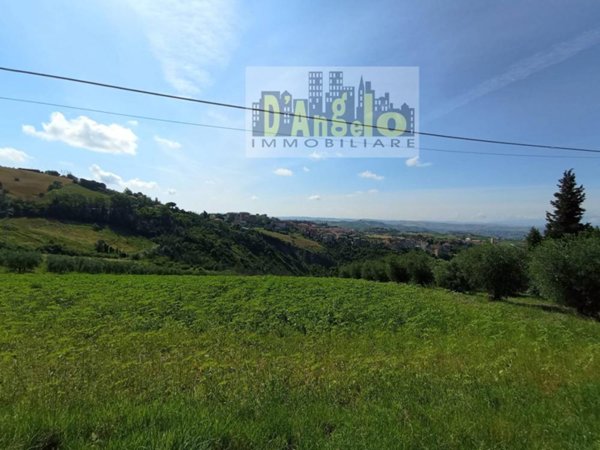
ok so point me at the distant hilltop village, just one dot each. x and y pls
(367, 114)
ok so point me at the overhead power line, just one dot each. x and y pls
(220, 127)
(247, 108)
(516, 155)
(120, 114)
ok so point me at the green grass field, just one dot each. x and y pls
(151, 362)
(79, 238)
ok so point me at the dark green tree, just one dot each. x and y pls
(533, 238)
(499, 270)
(566, 270)
(567, 214)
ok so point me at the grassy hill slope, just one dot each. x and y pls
(296, 240)
(75, 213)
(275, 362)
(73, 238)
(27, 184)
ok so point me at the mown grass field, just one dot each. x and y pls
(26, 184)
(132, 362)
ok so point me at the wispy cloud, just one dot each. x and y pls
(315, 197)
(371, 175)
(86, 133)
(416, 162)
(167, 143)
(9, 154)
(190, 38)
(283, 172)
(523, 69)
(115, 180)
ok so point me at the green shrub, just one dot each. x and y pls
(374, 271)
(60, 264)
(20, 261)
(65, 264)
(419, 267)
(568, 272)
(352, 270)
(397, 271)
(499, 270)
(449, 275)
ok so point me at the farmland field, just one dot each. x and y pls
(100, 361)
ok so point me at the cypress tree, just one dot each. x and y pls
(567, 214)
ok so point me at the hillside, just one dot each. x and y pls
(118, 362)
(28, 184)
(75, 216)
(70, 215)
(67, 237)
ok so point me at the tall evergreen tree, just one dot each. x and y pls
(567, 214)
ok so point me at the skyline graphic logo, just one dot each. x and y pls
(332, 112)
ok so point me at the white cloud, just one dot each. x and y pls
(115, 180)
(167, 143)
(13, 155)
(317, 156)
(104, 176)
(416, 162)
(306, 169)
(137, 184)
(190, 38)
(254, 197)
(523, 69)
(133, 123)
(84, 132)
(315, 197)
(370, 175)
(283, 172)
(361, 193)
(172, 191)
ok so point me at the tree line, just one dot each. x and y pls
(562, 265)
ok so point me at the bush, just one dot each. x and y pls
(568, 272)
(419, 267)
(397, 271)
(450, 276)
(499, 270)
(55, 185)
(374, 271)
(352, 270)
(20, 261)
(65, 264)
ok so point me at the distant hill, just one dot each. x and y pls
(409, 226)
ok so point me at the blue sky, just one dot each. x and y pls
(522, 71)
